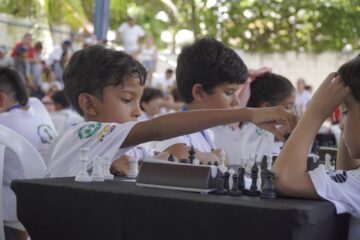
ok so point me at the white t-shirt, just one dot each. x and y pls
(35, 125)
(301, 102)
(239, 144)
(64, 119)
(342, 188)
(202, 141)
(163, 84)
(130, 36)
(103, 139)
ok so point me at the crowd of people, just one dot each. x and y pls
(109, 102)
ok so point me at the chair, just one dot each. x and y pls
(30, 159)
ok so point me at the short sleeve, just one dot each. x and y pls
(121, 29)
(342, 188)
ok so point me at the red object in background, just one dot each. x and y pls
(30, 51)
(336, 116)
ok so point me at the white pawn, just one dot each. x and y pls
(106, 168)
(328, 162)
(222, 167)
(269, 161)
(196, 161)
(83, 175)
(97, 173)
(133, 168)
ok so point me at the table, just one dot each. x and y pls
(61, 208)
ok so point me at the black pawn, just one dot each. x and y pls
(241, 176)
(192, 154)
(209, 163)
(235, 190)
(267, 187)
(226, 180)
(220, 190)
(216, 163)
(253, 191)
(171, 158)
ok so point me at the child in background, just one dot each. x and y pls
(30, 119)
(105, 86)
(341, 187)
(150, 103)
(268, 90)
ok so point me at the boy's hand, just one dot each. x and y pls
(331, 93)
(270, 119)
(120, 166)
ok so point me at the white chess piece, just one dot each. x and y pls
(133, 168)
(106, 168)
(196, 161)
(328, 162)
(231, 172)
(97, 173)
(222, 167)
(83, 175)
(269, 161)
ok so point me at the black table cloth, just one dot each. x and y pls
(61, 208)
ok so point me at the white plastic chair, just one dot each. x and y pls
(30, 159)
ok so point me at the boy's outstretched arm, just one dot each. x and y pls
(182, 123)
(290, 167)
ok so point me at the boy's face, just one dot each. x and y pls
(152, 107)
(350, 125)
(223, 96)
(288, 102)
(121, 103)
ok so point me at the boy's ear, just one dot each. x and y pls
(265, 104)
(197, 92)
(88, 104)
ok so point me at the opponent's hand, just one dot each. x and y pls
(120, 166)
(331, 93)
(276, 120)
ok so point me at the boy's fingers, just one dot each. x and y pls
(277, 133)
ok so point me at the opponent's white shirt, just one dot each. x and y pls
(301, 102)
(238, 144)
(342, 188)
(130, 36)
(103, 139)
(203, 142)
(162, 83)
(35, 125)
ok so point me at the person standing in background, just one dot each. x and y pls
(302, 99)
(130, 34)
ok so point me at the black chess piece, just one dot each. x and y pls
(315, 147)
(253, 191)
(263, 163)
(209, 163)
(312, 162)
(241, 180)
(183, 160)
(192, 153)
(216, 163)
(235, 190)
(220, 190)
(171, 158)
(267, 187)
(226, 180)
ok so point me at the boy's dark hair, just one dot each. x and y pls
(209, 63)
(176, 95)
(350, 75)
(150, 94)
(92, 69)
(11, 82)
(59, 98)
(169, 71)
(271, 88)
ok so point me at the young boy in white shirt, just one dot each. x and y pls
(341, 187)
(105, 87)
(30, 119)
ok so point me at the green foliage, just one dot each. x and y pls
(253, 25)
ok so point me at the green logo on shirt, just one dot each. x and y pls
(89, 130)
